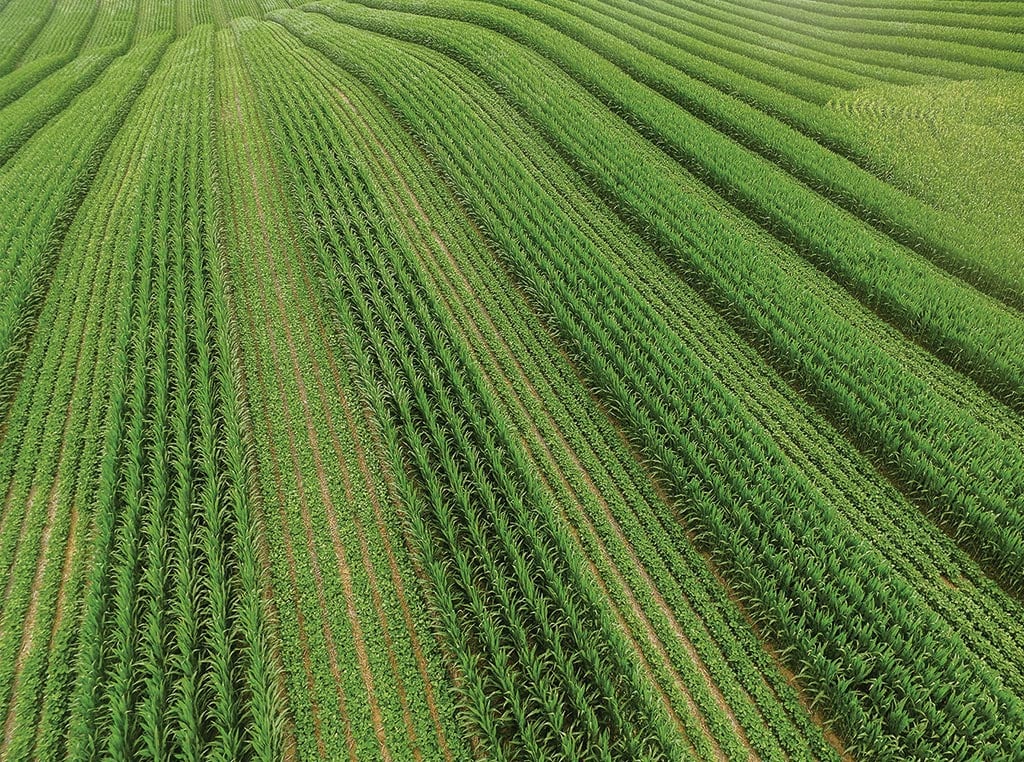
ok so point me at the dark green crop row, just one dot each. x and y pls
(895, 32)
(509, 379)
(393, 165)
(361, 667)
(966, 249)
(429, 218)
(856, 641)
(56, 434)
(798, 69)
(174, 657)
(18, 179)
(65, 32)
(543, 672)
(116, 23)
(21, 21)
(896, 214)
(42, 188)
(732, 27)
(998, 16)
(24, 78)
(50, 97)
(54, 443)
(77, 44)
(757, 285)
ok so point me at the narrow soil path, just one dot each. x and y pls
(29, 628)
(505, 391)
(267, 388)
(307, 526)
(342, 395)
(263, 546)
(370, 483)
(30, 501)
(66, 572)
(492, 331)
(323, 481)
(312, 435)
(289, 551)
(45, 550)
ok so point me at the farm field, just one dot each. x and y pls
(517, 380)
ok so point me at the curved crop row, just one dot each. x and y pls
(67, 29)
(21, 21)
(954, 60)
(51, 96)
(48, 54)
(506, 589)
(116, 23)
(783, 547)
(763, 287)
(174, 657)
(997, 16)
(520, 369)
(657, 643)
(41, 190)
(843, 182)
(52, 451)
(362, 674)
(886, 32)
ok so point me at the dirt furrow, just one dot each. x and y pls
(639, 612)
(306, 521)
(284, 519)
(289, 551)
(830, 735)
(29, 627)
(323, 480)
(370, 485)
(30, 501)
(263, 546)
(53, 503)
(344, 570)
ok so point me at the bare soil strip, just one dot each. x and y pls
(343, 567)
(371, 487)
(28, 629)
(285, 522)
(323, 481)
(314, 561)
(53, 503)
(289, 551)
(30, 502)
(510, 393)
(263, 546)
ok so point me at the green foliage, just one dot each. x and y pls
(746, 514)
(510, 379)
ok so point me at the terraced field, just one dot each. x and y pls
(511, 379)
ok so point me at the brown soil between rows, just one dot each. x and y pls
(33, 493)
(29, 627)
(323, 481)
(314, 563)
(638, 610)
(269, 600)
(53, 503)
(322, 478)
(284, 519)
(370, 484)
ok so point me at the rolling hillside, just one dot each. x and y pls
(512, 380)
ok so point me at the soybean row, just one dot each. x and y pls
(357, 645)
(510, 379)
(682, 461)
